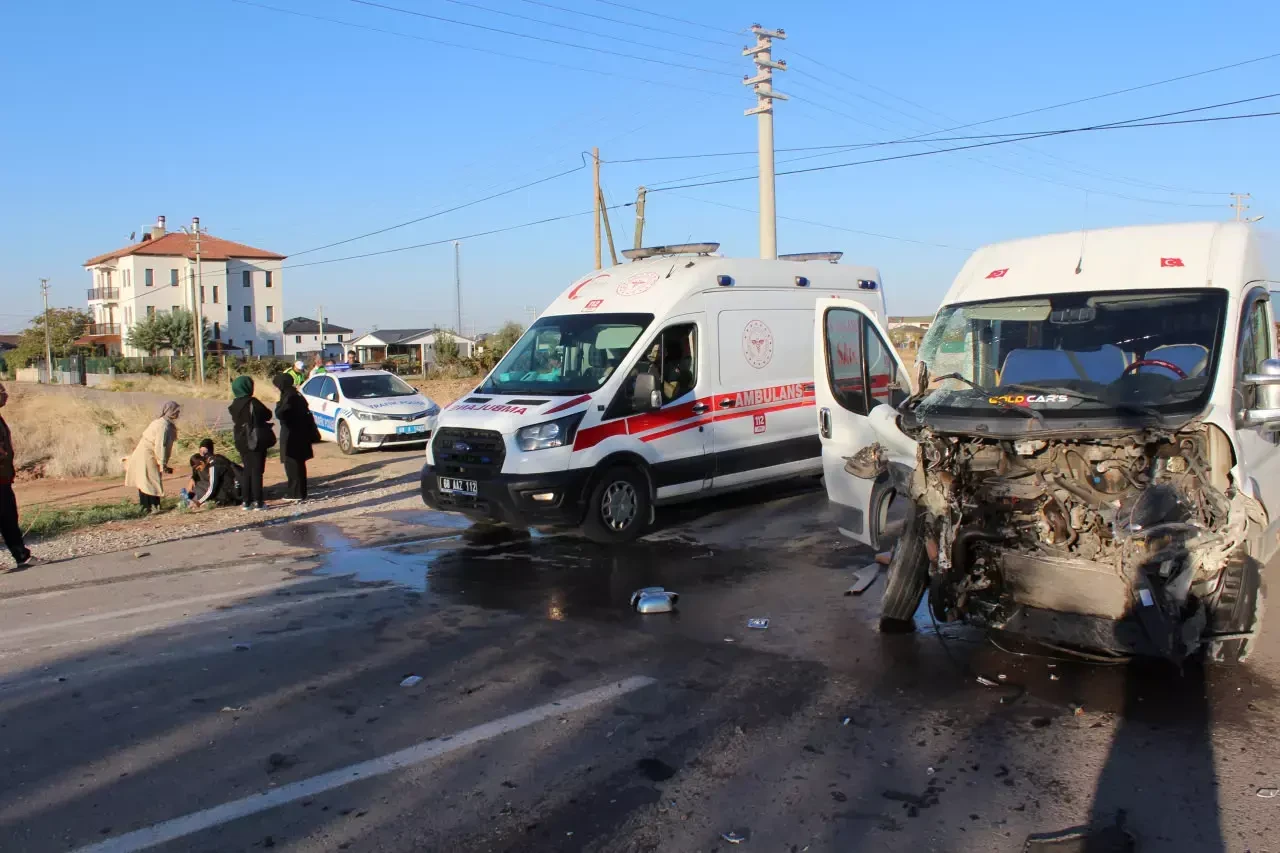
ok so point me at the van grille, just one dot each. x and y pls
(474, 454)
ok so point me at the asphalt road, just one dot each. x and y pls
(244, 692)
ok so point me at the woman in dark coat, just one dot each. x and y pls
(297, 433)
(253, 435)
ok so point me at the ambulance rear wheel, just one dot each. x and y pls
(619, 507)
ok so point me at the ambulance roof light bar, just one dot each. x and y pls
(674, 249)
(832, 257)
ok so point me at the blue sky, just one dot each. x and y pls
(289, 133)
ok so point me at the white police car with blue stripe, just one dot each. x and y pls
(369, 409)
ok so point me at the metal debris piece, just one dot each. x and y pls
(663, 601)
(730, 640)
(411, 681)
(863, 578)
(639, 593)
(1269, 793)
(987, 682)
(232, 709)
(758, 622)
(733, 837)
(1002, 677)
(846, 721)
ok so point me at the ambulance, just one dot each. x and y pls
(679, 375)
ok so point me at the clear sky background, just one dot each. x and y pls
(289, 133)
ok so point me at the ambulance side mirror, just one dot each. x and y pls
(645, 397)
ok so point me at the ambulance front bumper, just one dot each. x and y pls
(521, 500)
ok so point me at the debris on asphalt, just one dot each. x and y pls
(233, 709)
(411, 681)
(1002, 677)
(758, 622)
(1053, 676)
(1105, 839)
(846, 721)
(242, 647)
(1076, 709)
(730, 640)
(662, 601)
(930, 771)
(863, 578)
(733, 837)
(138, 555)
(640, 593)
(1268, 793)
(987, 682)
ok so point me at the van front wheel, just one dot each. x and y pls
(619, 507)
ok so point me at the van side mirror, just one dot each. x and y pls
(645, 397)
(1266, 382)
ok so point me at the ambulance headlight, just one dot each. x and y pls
(557, 433)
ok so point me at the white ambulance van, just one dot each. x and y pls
(678, 375)
(1092, 447)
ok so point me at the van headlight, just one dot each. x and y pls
(557, 433)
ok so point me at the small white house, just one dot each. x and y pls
(418, 344)
(302, 335)
(239, 288)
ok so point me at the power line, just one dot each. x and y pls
(607, 52)
(458, 207)
(489, 51)
(1133, 123)
(627, 23)
(667, 17)
(545, 23)
(828, 225)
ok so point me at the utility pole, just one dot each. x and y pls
(320, 322)
(457, 282)
(48, 338)
(595, 198)
(640, 194)
(199, 300)
(1239, 204)
(762, 84)
(608, 230)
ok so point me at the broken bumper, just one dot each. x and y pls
(510, 498)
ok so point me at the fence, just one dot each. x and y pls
(81, 370)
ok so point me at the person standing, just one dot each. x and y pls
(317, 368)
(298, 373)
(150, 460)
(297, 433)
(252, 430)
(9, 527)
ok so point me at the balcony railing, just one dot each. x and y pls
(108, 294)
(102, 329)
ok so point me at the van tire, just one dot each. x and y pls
(619, 507)
(907, 579)
(345, 444)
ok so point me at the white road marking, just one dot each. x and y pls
(169, 830)
(146, 608)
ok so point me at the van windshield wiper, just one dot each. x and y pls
(993, 396)
(1141, 408)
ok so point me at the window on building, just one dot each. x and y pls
(246, 278)
(339, 338)
(271, 346)
(173, 278)
(249, 347)
(268, 278)
(151, 309)
(215, 294)
(202, 294)
(297, 339)
(217, 331)
(126, 278)
(271, 313)
(248, 313)
(148, 277)
(176, 309)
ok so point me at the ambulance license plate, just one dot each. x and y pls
(452, 486)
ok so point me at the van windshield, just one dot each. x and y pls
(1093, 354)
(570, 354)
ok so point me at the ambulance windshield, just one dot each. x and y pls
(571, 354)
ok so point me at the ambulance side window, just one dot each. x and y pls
(844, 359)
(884, 380)
(672, 359)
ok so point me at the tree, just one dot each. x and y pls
(446, 347)
(497, 344)
(66, 326)
(174, 331)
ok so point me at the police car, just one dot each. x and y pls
(368, 409)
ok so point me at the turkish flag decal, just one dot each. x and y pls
(1171, 262)
(998, 273)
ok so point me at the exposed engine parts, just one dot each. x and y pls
(1118, 543)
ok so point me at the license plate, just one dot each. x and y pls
(452, 486)
(409, 430)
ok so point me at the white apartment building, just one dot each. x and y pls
(240, 289)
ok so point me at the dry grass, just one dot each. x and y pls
(211, 390)
(445, 391)
(58, 435)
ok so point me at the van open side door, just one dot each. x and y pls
(859, 381)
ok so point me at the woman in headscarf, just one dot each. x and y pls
(150, 460)
(297, 433)
(251, 422)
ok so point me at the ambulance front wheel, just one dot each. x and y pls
(619, 507)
